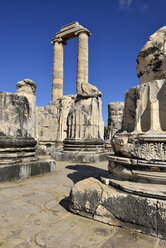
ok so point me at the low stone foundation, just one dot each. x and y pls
(81, 151)
(79, 157)
(23, 170)
(93, 199)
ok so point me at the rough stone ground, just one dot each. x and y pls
(34, 213)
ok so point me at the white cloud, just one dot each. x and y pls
(144, 7)
(125, 4)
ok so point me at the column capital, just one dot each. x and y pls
(83, 30)
(59, 40)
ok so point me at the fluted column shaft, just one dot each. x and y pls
(82, 60)
(57, 82)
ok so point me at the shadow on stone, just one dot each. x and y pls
(65, 203)
(82, 172)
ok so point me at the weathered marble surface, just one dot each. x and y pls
(151, 61)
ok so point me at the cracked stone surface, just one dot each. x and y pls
(34, 212)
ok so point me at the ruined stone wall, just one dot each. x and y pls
(51, 121)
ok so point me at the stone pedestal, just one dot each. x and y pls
(85, 130)
(57, 81)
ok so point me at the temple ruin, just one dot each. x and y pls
(71, 128)
(70, 31)
(73, 122)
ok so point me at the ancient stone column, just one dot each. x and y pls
(28, 88)
(82, 59)
(115, 117)
(57, 82)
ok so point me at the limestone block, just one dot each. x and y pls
(86, 200)
(151, 61)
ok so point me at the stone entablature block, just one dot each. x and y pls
(70, 31)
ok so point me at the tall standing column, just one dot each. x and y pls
(82, 59)
(57, 82)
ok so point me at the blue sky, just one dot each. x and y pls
(119, 30)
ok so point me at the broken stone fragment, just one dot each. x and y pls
(89, 90)
(26, 85)
(151, 61)
(93, 199)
